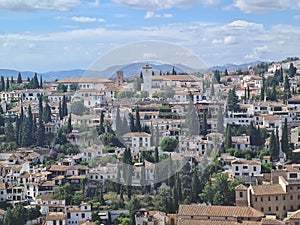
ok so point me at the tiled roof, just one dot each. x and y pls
(273, 189)
(45, 197)
(214, 222)
(85, 80)
(58, 168)
(137, 134)
(182, 78)
(241, 187)
(295, 215)
(249, 162)
(55, 216)
(219, 211)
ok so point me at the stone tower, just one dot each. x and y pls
(120, 78)
(147, 77)
(241, 195)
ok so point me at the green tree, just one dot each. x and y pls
(133, 205)
(78, 108)
(156, 155)
(131, 123)
(292, 70)
(101, 126)
(19, 79)
(232, 101)
(2, 86)
(274, 151)
(69, 127)
(217, 76)
(61, 88)
(219, 191)
(137, 125)
(9, 131)
(7, 84)
(169, 144)
(228, 135)
(196, 186)
(204, 125)
(220, 123)
(47, 113)
(285, 141)
(75, 105)
(286, 88)
(64, 192)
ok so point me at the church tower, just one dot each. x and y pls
(147, 77)
(120, 78)
(241, 195)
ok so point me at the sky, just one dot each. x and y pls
(52, 35)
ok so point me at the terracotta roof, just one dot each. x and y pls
(295, 215)
(85, 80)
(214, 222)
(55, 216)
(45, 197)
(249, 162)
(266, 221)
(273, 189)
(85, 223)
(241, 187)
(58, 168)
(2, 212)
(219, 211)
(137, 134)
(24, 175)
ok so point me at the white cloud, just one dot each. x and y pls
(229, 40)
(164, 4)
(258, 6)
(297, 17)
(83, 19)
(216, 43)
(242, 24)
(32, 5)
(151, 15)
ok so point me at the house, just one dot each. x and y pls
(294, 218)
(248, 170)
(87, 83)
(137, 140)
(240, 142)
(196, 214)
(76, 214)
(55, 218)
(272, 199)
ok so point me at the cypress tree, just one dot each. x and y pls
(138, 126)
(220, 124)
(2, 84)
(228, 135)
(40, 134)
(60, 111)
(119, 124)
(26, 133)
(12, 80)
(19, 80)
(47, 113)
(40, 106)
(156, 135)
(131, 123)
(7, 84)
(204, 126)
(69, 127)
(64, 106)
(101, 126)
(195, 186)
(273, 148)
(35, 82)
(285, 141)
(9, 131)
(287, 88)
(41, 82)
(156, 155)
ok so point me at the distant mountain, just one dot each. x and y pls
(235, 66)
(129, 70)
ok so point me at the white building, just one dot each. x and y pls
(137, 140)
(247, 170)
(76, 214)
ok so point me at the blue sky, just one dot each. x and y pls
(47, 35)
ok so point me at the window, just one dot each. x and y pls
(276, 198)
(284, 207)
(254, 168)
(291, 197)
(276, 208)
(262, 199)
(283, 197)
(241, 194)
(255, 199)
(269, 198)
(262, 209)
(237, 168)
(291, 188)
(82, 215)
(270, 208)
